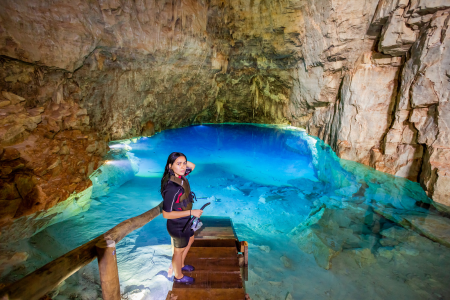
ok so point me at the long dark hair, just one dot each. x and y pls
(167, 171)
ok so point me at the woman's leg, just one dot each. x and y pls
(186, 250)
(177, 262)
(170, 271)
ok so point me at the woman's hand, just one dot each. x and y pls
(190, 165)
(196, 212)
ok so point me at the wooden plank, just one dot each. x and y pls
(214, 243)
(218, 230)
(244, 273)
(212, 253)
(213, 235)
(216, 233)
(216, 264)
(206, 294)
(244, 250)
(213, 279)
(208, 237)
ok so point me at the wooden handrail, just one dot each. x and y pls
(47, 278)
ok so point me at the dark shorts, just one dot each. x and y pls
(175, 229)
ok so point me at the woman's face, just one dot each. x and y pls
(179, 166)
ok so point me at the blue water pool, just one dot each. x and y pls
(318, 227)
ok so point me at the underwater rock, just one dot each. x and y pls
(286, 261)
(264, 248)
(388, 242)
(348, 191)
(407, 250)
(435, 227)
(363, 257)
(396, 233)
(386, 252)
(321, 235)
(314, 242)
(121, 166)
(11, 260)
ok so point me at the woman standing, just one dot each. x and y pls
(177, 209)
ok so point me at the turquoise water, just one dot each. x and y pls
(318, 227)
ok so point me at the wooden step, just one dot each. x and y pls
(215, 242)
(206, 294)
(215, 233)
(215, 228)
(214, 264)
(210, 279)
(212, 253)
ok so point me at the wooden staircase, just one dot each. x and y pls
(214, 254)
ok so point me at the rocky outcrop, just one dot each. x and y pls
(47, 155)
(407, 67)
(420, 129)
(367, 93)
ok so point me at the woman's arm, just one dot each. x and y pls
(176, 214)
(180, 214)
(190, 165)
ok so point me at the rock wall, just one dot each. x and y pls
(390, 111)
(47, 150)
(75, 75)
(370, 78)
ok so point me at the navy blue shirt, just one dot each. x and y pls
(172, 194)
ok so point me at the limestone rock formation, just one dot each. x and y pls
(367, 94)
(397, 37)
(421, 115)
(406, 133)
(48, 154)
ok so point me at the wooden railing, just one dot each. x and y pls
(47, 278)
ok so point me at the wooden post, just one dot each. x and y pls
(244, 250)
(109, 273)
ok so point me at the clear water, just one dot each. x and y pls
(268, 180)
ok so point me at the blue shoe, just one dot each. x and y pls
(186, 280)
(187, 268)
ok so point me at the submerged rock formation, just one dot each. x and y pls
(371, 79)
